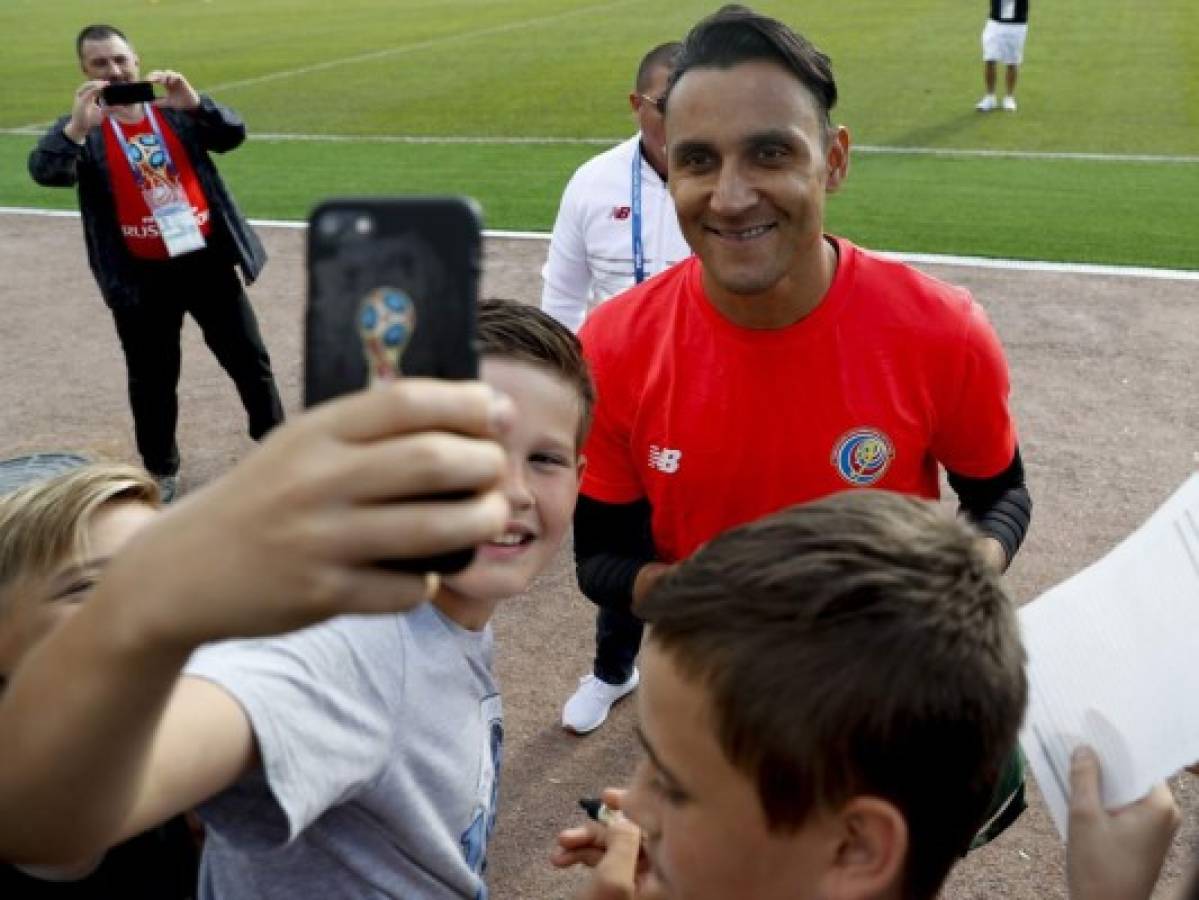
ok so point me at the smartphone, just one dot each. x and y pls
(393, 285)
(123, 93)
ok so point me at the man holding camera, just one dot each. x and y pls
(163, 234)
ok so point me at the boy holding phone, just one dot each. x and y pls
(828, 696)
(163, 234)
(356, 758)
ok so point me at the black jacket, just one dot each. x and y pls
(57, 161)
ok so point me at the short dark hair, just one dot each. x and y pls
(514, 330)
(662, 55)
(857, 645)
(98, 32)
(736, 34)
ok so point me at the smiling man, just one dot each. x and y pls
(780, 364)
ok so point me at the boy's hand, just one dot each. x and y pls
(613, 851)
(1115, 855)
(289, 536)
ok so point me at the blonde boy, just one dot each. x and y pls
(360, 757)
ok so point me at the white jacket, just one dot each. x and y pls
(591, 250)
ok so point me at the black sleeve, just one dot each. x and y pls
(220, 129)
(612, 543)
(999, 506)
(53, 161)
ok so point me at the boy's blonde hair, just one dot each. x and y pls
(46, 522)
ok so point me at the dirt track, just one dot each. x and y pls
(1104, 376)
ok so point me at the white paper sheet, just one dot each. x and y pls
(1113, 661)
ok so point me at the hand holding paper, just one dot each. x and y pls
(1113, 662)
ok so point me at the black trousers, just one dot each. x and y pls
(209, 289)
(617, 640)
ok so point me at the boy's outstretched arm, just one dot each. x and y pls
(102, 739)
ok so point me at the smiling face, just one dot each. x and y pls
(706, 835)
(541, 483)
(30, 608)
(751, 159)
(110, 59)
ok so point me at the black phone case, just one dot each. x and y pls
(123, 93)
(420, 255)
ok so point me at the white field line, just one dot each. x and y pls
(385, 53)
(412, 48)
(931, 259)
(493, 140)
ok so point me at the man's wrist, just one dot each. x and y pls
(73, 133)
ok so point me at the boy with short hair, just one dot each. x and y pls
(359, 757)
(828, 696)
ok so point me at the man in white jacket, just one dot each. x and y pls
(616, 225)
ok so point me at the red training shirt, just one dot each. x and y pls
(717, 425)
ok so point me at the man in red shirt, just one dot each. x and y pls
(163, 236)
(778, 365)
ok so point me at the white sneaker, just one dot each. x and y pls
(1009, 104)
(587, 709)
(986, 104)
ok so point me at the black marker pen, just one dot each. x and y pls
(595, 809)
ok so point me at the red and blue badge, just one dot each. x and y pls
(862, 456)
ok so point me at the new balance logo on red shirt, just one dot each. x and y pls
(664, 459)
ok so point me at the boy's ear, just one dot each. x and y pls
(580, 466)
(871, 853)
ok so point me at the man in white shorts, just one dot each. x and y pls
(1003, 42)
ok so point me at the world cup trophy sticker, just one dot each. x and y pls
(159, 187)
(386, 320)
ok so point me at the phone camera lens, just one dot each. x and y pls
(363, 226)
(330, 225)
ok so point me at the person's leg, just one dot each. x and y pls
(617, 640)
(149, 336)
(231, 331)
(1010, 80)
(989, 76)
(988, 101)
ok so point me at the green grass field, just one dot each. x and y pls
(909, 75)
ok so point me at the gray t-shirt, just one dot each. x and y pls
(381, 739)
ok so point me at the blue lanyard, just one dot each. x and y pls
(166, 154)
(638, 247)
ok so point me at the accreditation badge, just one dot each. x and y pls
(172, 211)
(178, 228)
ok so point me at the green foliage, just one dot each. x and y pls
(1101, 76)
